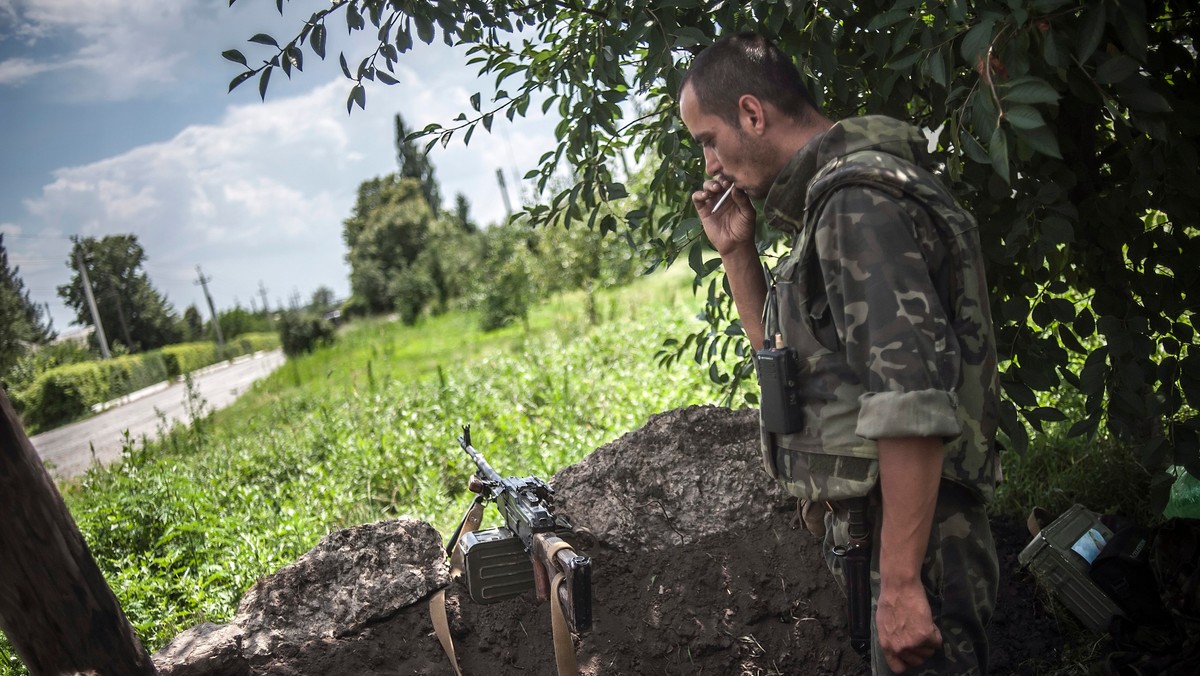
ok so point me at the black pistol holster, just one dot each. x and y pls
(856, 566)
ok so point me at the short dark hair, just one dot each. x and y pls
(747, 63)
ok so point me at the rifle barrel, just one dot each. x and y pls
(485, 470)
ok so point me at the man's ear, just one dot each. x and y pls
(751, 114)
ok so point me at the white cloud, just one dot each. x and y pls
(17, 70)
(261, 194)
(112, 49)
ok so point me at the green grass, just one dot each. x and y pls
(365, 430)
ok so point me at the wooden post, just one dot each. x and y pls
(55, 606)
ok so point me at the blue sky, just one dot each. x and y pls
(114, 118)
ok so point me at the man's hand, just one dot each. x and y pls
(731, 231)
(732, 227)
(909, 475)
(907, 634)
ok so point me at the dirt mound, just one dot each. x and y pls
(697, 571)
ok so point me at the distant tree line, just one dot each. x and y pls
(136, 316)
(410, 257)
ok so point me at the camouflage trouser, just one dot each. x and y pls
(960, 575)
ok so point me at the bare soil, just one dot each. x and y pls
(698, 570)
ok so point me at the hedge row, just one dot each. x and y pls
(67, 392)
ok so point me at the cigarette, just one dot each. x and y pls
(722, 200)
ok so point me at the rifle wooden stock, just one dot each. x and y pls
(552, 555)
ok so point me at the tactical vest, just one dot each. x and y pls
(827, 460)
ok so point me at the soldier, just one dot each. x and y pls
(881, 305)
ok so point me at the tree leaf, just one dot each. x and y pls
(1139, 96)
(264, 39)
(937, 67)
(1050, 50)
(345, 66)
(1024, 117)
(1094, 373)
(296, 56)
(892, 16)
(1091, 32)
(1042, 140)
(240, 78)
(1116, 69)
(317, 40)
(1028, 90)
(475, 101)
(905, 59)
(976, 42)
(385, 78)
(424, 29)
(358, 94)
(998, 152)
(1048, 414)
(1057, 230)
(1086, 426)
(262, 82)
(234, 56)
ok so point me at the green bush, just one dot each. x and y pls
(187, 357)
(64, 393)
(259, 341)
(302, 332)
(132, 372)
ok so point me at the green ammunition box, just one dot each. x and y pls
(495, 565)
(1060, 558)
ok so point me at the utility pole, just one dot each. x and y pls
(504, 192)
(87, 291)
(216, 321)
(262, 291)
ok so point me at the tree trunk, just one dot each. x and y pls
(55, 606)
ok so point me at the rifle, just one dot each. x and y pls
(531, 549)
(856, 565)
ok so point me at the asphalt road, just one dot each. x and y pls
(68, 451)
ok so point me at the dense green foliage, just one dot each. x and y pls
(62, 393)
(364, 430)
(405, 260)
(184, 358)
(21, 321)
(35, 362)
(133, 313)
(302, 332)
(1068, 127)
(238, 320)
(384, 236)
(65, 393)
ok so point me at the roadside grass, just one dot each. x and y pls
(365, 430)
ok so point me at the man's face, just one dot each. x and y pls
(730, 152)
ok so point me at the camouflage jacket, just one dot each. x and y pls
(883, 297)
